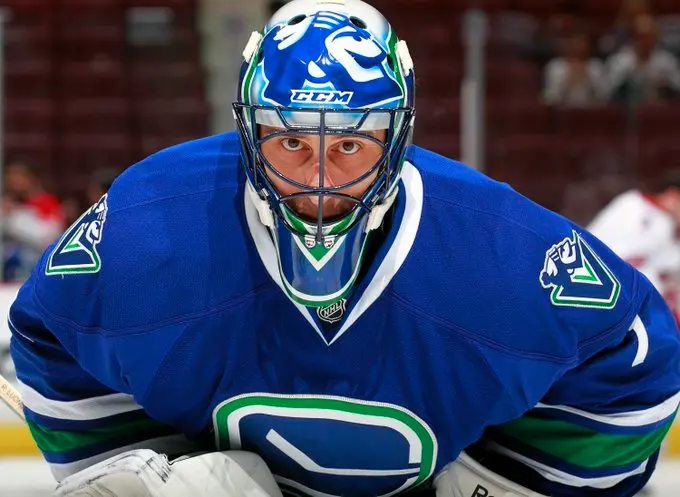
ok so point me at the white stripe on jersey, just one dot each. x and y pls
(553, 474)
(634, 418)
(14, 329)
(78, 410)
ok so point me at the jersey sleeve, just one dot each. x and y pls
(73, 373)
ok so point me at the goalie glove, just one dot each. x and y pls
(145, 473)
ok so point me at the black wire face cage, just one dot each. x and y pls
(323, 122)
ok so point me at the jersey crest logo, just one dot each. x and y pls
(76, 252)
(326, 446)
(578, 277)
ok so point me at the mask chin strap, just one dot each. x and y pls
(375, 218)
(263, 209)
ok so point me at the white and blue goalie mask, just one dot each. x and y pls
(325, 112)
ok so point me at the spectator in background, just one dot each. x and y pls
(642, 227)
(550, 37)
(32, 219)
(642, 71)
(575, 78)
(622, 33)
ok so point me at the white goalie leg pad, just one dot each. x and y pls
(145, 473)
(465, 477)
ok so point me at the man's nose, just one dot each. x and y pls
(315, 176)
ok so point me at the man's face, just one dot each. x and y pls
(645, 34)
(19, 180)
(345, 159)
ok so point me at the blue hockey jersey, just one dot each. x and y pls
(483, 322)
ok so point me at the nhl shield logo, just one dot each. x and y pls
(332, 313)
(577, 277)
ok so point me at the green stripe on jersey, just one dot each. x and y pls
(56, 441)
(582, 446)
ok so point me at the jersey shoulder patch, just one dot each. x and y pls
(76, 251)
(577, 276)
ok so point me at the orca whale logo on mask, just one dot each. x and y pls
(322, 60)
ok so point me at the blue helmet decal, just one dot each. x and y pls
(325, 60)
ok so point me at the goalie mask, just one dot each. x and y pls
(325, 112)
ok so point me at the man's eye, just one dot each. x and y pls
(349, 148)
(291, 144)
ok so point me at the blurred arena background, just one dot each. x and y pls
(529, 91)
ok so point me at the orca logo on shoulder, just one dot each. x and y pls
(76, 252)
(321, 97)
(578, 277)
